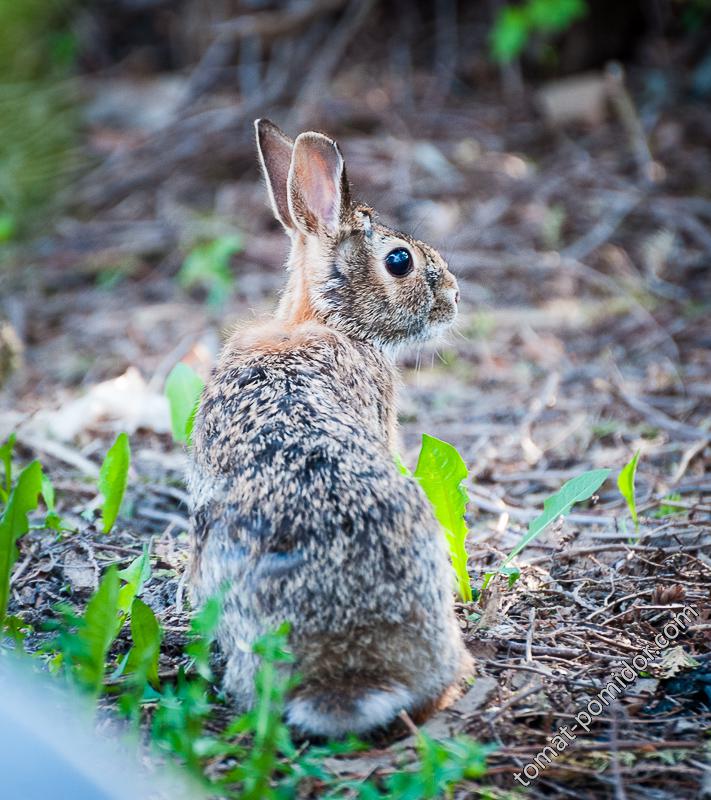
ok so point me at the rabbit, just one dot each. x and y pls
(297, 504)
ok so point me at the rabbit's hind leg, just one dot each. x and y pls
(236, 637)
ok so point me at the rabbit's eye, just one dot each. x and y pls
(398, 262)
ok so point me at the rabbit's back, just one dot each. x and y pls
(291, 466)
(301, 511)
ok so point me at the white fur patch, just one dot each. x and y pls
(367, 223)
(376, 707)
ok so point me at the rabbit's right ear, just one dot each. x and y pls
(275, 149)
(318, 187)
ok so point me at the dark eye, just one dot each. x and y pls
(398, 262)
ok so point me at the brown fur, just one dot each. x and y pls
(298, 506)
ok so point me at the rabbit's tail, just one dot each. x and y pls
(335, 712)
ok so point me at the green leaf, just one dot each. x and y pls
(6, 459)
(52, 520)
(17, 629)
(551, 16)
(48, 493)
(509, 34)
(113, 478)
(666, 507)
(441, 765)
(440, 471)
(183, 389)
(8, 227)
(487, 580)
(134, 576)
(557, 505)
(208, 266)
(203, 629)
(625, 483)
(512, 573)
(13, 524)
(90, 645)
(146, 635)
(400, 464)
(514, 25)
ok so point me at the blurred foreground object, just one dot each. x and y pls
(44, 753)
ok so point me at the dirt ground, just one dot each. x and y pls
(584, 336)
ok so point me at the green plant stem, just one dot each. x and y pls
(460, 558)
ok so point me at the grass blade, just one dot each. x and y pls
(583, 487)
(6, 460)
(113, 479)
(625, 483)
(13, 524)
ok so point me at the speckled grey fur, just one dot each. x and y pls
(298, 507)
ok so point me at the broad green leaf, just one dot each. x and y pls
(146, 635)
(13, 524)
(440, 471)
(48, 493)
(625, 483)
(183, 389)
(134, 576)
(190, 423)
(96, 634)
(557, 505)
(113, 478)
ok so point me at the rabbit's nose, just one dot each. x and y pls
(456, 295)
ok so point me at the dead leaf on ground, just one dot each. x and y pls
(127, 402)
(675, 660)
(79, 571)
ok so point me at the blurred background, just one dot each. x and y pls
(557, 151)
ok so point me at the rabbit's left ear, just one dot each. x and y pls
(274, 148)
(318, 188)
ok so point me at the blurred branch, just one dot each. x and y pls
(252, 30)
(270, 24)
(216, 134)
(329, 58)
(625, 108)
(224, 133)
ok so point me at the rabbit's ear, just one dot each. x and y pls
(275, 149)
(318, 188)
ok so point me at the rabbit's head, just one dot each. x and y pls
(347, 270)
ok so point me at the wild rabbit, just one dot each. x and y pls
(297, 504)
